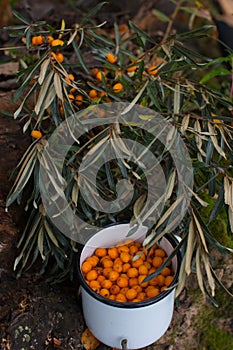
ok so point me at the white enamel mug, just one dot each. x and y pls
(138, 324)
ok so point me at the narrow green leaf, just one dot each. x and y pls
(214, 73)
(141, 33)
(92, 12)
(80, 57)
(161, 16)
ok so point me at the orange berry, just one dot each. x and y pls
(141, 279)
(100, 252)
(121, 298)
(133, 249)
(59, 57)
(124, 290)
(118, 87)
(113, 253)
(99, 76)
(152, 70)
(78, 100)
(86, 267)
(138, 262)
(113, 276)
(132, 272)
(143, 270)
(131, 68)
(163, 289)
(36, 134)
(103, 93)
(114, 289)
(168, 280)
(166, 271)
(50, 39)
(57, 42)
(69, 78)
(152, 292)
(147, 264)
(131, 294)
(111, 58)
(141, 296)
(125, 267)
(118, 261)
(95, 285)
(94, 71)
(161, 280)
(137, 288)
(106, 271)
(125, 257)
(122, 282)
(112, 297)
(107, 263)
(157, 261)
(118, 267)
(91, 275)
(93, 93)
(71, 97)
(100, 279)
(133, 282)
(160, 252)
(106, 284)
(123, 248)
(94, 260)
(104, 292)
(37, 40)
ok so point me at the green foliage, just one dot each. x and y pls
(54, 85)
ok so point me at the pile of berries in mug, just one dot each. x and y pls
(118, 272)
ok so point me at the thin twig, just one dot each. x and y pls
(173, 17)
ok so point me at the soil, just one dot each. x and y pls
(34, 314)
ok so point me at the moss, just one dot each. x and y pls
(211, 335)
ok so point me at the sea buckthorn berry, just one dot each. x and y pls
(100, 279)
(50, 39)
(137, 288)
(133, 282)
(95, 71)
(143, 270)
(86, 267)
(99, 76)
(152, 292)
(160, 252)
(163, 289)
(118, 261)
(125, 267)
(132, 272)
(161, 280)
(118, 87)
(114, 289)
(93, 93)
(106, 284)
(117, 267)
(78, 100)
(112, 297)
(58, 57)
(138, 262)
(37, 40)
(141, 279)
(71, 97)
(36, 134)
(132, 68)
(123, 248)
(104, 292)
(168, 280)
(152, 70)
(91, 275)
(125, 257)
(124, 290)
(166, 271)
(113, 275)
(113, 253)
(121, 298)
(107, 263)
(95, 285)
(100, 252)
(69, 78)
(157, 261)
(111, 58)
(122, 282)
(106, 271)
(57, 42)
(131, 294)
(94, 260)
(141, 296)
(133, 249)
